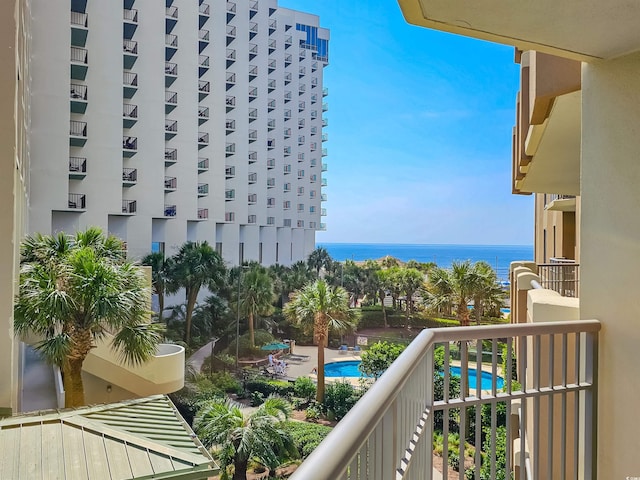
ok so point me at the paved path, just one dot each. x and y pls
(198, 357)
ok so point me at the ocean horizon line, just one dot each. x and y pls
(519, 245)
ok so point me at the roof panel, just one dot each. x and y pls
(118, 459)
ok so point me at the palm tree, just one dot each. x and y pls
(241, 437)
(488, 291)
(411, 280)
(160, 267)
(318, 259)
(321, 308)
(195, 265)
(76, 290)
(256, 297)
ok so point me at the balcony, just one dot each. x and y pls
(203, 140)
(252, 157)
(253, 93)
(271, 163)
(230, 103)
(253, 114)
(170, 211)
(203, 115)
(203, 213)
(170, 73)
(170, 129)
(229, 172)
(561, 275)
(560, 203)
(271, 85)
(323, 182)
(271, 124)
(77, 201)
(170, 101)
(323, 212)
(129, 177)
(253, 72)
(129, 115)
(231, 56)
(252, 199)
(79, 30)
(203, 39)
(253, 30)
(253, 8)
(325, 122)
(203, 189)
(271, 182)
(324, 167)
(271, 143)
(203, 164)
(229, 217)
(130, 19)
(252, 178)
(203, 64)
(79, 63)
(271, 104)
(230, 149)
(230, 126)
(287, 169)
(272, 48)
(273, 25)
(231, 80)
(170, 46)
(548, 429)
(253, 136)
(323, 227)
(129, 53)
(231, 34)
(288, 41)
(323, 197)
(170, 156)
(129, 84)
(251, 219)
(129, 207)
(203, 89)
(325, 92)
(287, 61)
(203, 13)
(77, 133)
(171, 18)
(324, 152)
(78, 98)
(170, 184)
(77, 168)
(325, 137)
(229, 195)
(129, 146)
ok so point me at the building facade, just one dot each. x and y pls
(180, 121)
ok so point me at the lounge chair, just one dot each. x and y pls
(357, 350)
(343, 350)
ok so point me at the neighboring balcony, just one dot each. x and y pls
(77, 133)
(324, 152)
(203, 213)
(129, 84)
(324, 167)
(203, 39)
(231, 56)
(203, 140)
(252, 178)
(229, 172)
(170, 73)
(170, 156)
(231, 80)
(77, 201)
(203, 13)
(231, 34)
(129, 146)
(229, 217)
(230, 149)
(253, 157)
(79, 29)
(170, 184)
(323, 212)
(230, 103)
(78, 97)
(325, 92)
(171, 18)
(229, 194)
(547, 420)
(203, 64)
(79, 63)
(230, 126)
(129, 177)
(203, 90)
(203, 115)
(559, 203)
(170, 101)
(170, 211)
(170, 129)
(130, 53)
(129, 207)
(170, 46)
(203, 164)
(77, 168)
(203, 189)
(129, 115)
(561, 275)
(130, 20)
(323, 182)
(323, 227)
(323, 197)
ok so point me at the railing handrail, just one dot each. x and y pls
(331, 457)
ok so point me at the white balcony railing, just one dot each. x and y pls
(550, 420)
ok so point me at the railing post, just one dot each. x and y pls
(591, 408)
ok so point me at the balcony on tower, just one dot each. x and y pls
(203, 164)
(170, 101)
(170, 211)
(170, 156)
(78, 97)
(203, 189)
(130, 20)
(231, 34)
(203, 13)
(229, 172)
(171, 18)
(170, 73)
(129, 115)
(203, 89)
(129, 84)
(79, 63)
(203, 213)
(129, 146)
(129, 207)
(203, 39)
(77, 168)
(230, 80)
(231, 56)
(203, 115)
(77, 201)
(230, 149)
(170, 128)
(203, 64)
(203, 140)
(77, 133)
(253, 157)
(170, 46)
(229, 194)
(230, 103)
(130, 53)
(129, 177)
(79, 29)
(253, 136)
(170, 184)
(252, 178)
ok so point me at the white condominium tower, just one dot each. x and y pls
(164, 122)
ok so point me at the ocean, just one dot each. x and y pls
(498, 256)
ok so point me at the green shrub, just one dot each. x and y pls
(257, 399)
(339, 397)
(225, 382)
(306, 436)
(454, 461)
(378, 357)
(269, 387)
(312, 413)
(304, 388)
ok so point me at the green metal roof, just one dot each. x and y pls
(136, 439)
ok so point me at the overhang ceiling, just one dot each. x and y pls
(578, 29)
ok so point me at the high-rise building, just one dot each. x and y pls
(168, 122)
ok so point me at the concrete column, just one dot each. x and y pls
(610, 250)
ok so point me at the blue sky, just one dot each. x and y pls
(419, 132)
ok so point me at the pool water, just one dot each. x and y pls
(350, 369)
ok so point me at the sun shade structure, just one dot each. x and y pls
(275, 346)
(137, 439)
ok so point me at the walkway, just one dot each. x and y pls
(199, 356)
(38, 391)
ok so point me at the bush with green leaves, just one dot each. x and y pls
(225, 382)
(269, 387)
(339, 398)
(378, 357)
(304, 388)
(306, 436)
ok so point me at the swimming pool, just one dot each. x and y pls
(350, 369)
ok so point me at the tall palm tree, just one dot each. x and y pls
(160, 267)
(488, 291)
(318, 259)
(454, 287)
(256, 297)
(321, 308)
(73, 291)
(411, 280)
(241, 436)
(196, 265)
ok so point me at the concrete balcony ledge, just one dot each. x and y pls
(549, 306)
